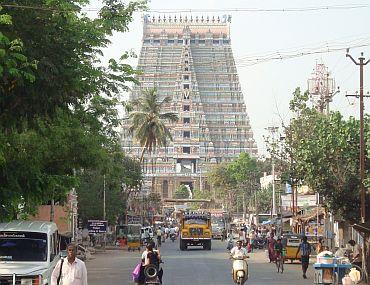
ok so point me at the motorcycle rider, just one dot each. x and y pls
(150, 256)
(238, 252)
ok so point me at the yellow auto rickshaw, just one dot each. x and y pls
(132, 234)
(291, 243)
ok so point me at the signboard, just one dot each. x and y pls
(133, 219)
(302, 200)
(97, 226)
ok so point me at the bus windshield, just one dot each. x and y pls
(23, 246)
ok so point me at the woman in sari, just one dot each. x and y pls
(271, 247)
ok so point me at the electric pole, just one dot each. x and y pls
(361, 63)
(273, 130)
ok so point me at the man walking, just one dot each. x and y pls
(71, 270)
(305, 249)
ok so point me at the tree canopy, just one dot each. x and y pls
(325, 152)
(148, 120)
(235, 180)
(57, 100)
(182, 192)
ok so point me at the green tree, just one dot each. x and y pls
(197, 194)
(57, 101)
(264, 200)
(182, 192)
(326, 155)
(148, 121)
(235, 180)
(117, 170)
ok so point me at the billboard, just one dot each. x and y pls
(97, 226)
(302, 200)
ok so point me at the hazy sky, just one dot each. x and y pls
(267, 87)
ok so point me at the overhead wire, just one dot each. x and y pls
(240, 63)
(207, 10)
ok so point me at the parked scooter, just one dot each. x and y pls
(240, 270)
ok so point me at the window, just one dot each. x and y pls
(186, 69)
(180, 41)
(202, 42)
(186, 134)
(146, 41)
(186, 77)
(186, 86)
(186, 62)
(156, 41)
(171, 41)
(216, 42)
(186, 108)
(192, 41)
(226, 41)
(25, 246)
(186, 149)
(186, 120)
(186, 55)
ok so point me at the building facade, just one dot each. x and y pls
(190, 60)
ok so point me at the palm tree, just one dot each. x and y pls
(148, 121)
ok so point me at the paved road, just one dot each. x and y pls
(195, 266)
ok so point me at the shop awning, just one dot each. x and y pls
(362, 228)
(311, 215)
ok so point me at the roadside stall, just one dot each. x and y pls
(329, 269)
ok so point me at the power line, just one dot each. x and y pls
(292, 9)
(175, 11)
(255, 60)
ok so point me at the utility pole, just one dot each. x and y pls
(273, 130)
(104, 197)
(361, 63)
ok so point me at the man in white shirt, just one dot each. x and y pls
(73, 269)
(238, 251)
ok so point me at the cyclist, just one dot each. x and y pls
(279, 256)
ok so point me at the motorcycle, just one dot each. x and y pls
(260, 243)
(152, 274)
(240, 270)
(173, 237)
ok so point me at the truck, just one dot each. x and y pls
(218, 222)
(195, 230)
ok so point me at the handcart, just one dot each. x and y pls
(331, 273)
